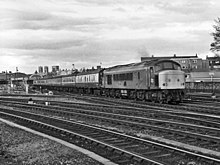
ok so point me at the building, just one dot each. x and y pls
(40, 69)
(46, 69)
(211, 76)
(55, 68)
(188, 63)
(15, 79)
(214, 62)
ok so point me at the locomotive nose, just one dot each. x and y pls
(172, 79)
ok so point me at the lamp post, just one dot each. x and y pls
(211, 74)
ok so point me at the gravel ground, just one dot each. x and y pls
(18, 147)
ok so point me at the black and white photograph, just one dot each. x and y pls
(109, 82)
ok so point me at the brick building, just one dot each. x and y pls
(188, 63)
(214, 62)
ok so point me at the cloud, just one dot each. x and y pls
(17, 19)
(41, 39)
(87, 32)
(184, 6)
(119, 9)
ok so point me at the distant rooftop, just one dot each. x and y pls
(166, 57)
(213, 58)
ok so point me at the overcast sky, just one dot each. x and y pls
(89, 32)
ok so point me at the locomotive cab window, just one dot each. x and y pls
(156, 80)
(166, 65)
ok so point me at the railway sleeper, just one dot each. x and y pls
(114, 141)
(118, 152)
(206, 161)
(131, 146)
(152, 152)
(110, 149)
(163, 155)
(180, 138)
(215, 145)
(139, 160)
(106, 138)
(102, 145)
(123, 144)
(124, 161)
(114, 157)
(128, 155)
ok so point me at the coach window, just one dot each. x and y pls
(109, 79)
(114, 77)
(139, 76)
(131, 76)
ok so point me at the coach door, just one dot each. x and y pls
(152, 77)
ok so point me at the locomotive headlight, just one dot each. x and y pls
(164, 84)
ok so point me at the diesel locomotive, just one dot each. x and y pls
(155, 80)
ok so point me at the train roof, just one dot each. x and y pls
(139, 65)
(73, 74)
(90, 72)
(60, 76)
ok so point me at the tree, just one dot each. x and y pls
(215, 46)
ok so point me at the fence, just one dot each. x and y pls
(209, 87)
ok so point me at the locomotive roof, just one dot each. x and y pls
(139, 65)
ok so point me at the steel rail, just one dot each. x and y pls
(125, 136)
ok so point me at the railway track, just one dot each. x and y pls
(189, 105)
(188, 111)
(194, 134)
(120, 148)
(149, 112)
